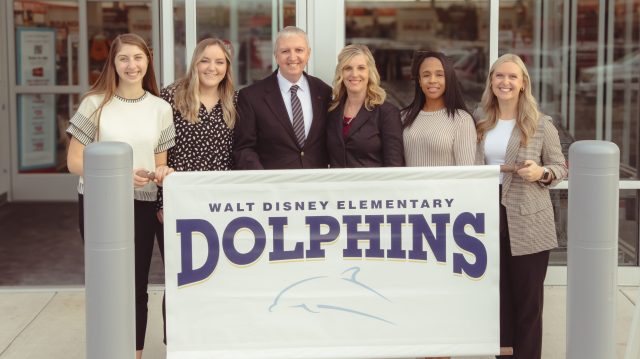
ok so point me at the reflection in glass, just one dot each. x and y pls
(249, 28)
(106, 20)
(61, 18)
(601, 102)
(394, 30)
(627, 227)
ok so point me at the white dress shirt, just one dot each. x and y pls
(304, 94)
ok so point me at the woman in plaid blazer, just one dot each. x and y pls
(525, 143)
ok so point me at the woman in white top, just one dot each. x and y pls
(123, 106)
(525, 142)
(438, 129)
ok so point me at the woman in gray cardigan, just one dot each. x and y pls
(525, 143)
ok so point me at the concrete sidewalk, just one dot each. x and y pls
(49, 323)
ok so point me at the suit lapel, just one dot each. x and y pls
(337, 117)
(362, 117)
(511, 156)
(274, 101)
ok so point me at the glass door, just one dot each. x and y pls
(247, 26)
(56, 51)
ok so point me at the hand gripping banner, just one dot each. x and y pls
(350, 263)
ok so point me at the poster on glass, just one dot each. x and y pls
(36, 112)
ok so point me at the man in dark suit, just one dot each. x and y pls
(281, 119)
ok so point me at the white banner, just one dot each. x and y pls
(353, 263)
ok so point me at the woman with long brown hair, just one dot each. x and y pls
(123, 105)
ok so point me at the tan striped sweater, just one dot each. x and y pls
(435, 139)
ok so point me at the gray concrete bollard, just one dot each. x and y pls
(592, 261)
(109, 250)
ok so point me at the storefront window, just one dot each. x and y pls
(587, 81)
(248, 26)
(106, 20)
(46, 56)
(46, 42)
(393, 30)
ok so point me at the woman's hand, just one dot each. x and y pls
(530, 171)
(160, 215)
(141, 177)
(162, 171)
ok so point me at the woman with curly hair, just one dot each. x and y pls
(363, 130)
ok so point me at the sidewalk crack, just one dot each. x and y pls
(28, 324)
(628, 296)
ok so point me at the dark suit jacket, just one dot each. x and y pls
(263, 133)
(374, 139)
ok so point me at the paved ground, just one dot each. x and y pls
(41, 246)
(49, 323)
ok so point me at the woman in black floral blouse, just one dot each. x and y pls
(204, 112)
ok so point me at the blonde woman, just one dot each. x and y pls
(123, 106)
(362, 129)
(525, 143)
(204, 112)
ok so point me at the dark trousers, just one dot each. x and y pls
(521, 297)
(146, 226)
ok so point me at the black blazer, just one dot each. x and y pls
(374, 139)
(263, 133)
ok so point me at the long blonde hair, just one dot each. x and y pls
(187, 89)
(375, 94)
(107, 82)
(528, 114)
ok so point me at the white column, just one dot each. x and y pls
(608, 106)
(166, 34)
(190, 29)
(325, 24)
(494, 30)
(600, 75)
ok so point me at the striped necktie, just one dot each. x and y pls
(298, 118)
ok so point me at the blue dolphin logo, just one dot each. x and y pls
(287, 297)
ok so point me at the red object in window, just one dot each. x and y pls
(37, 72)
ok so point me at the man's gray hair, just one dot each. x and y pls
(290, 31)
